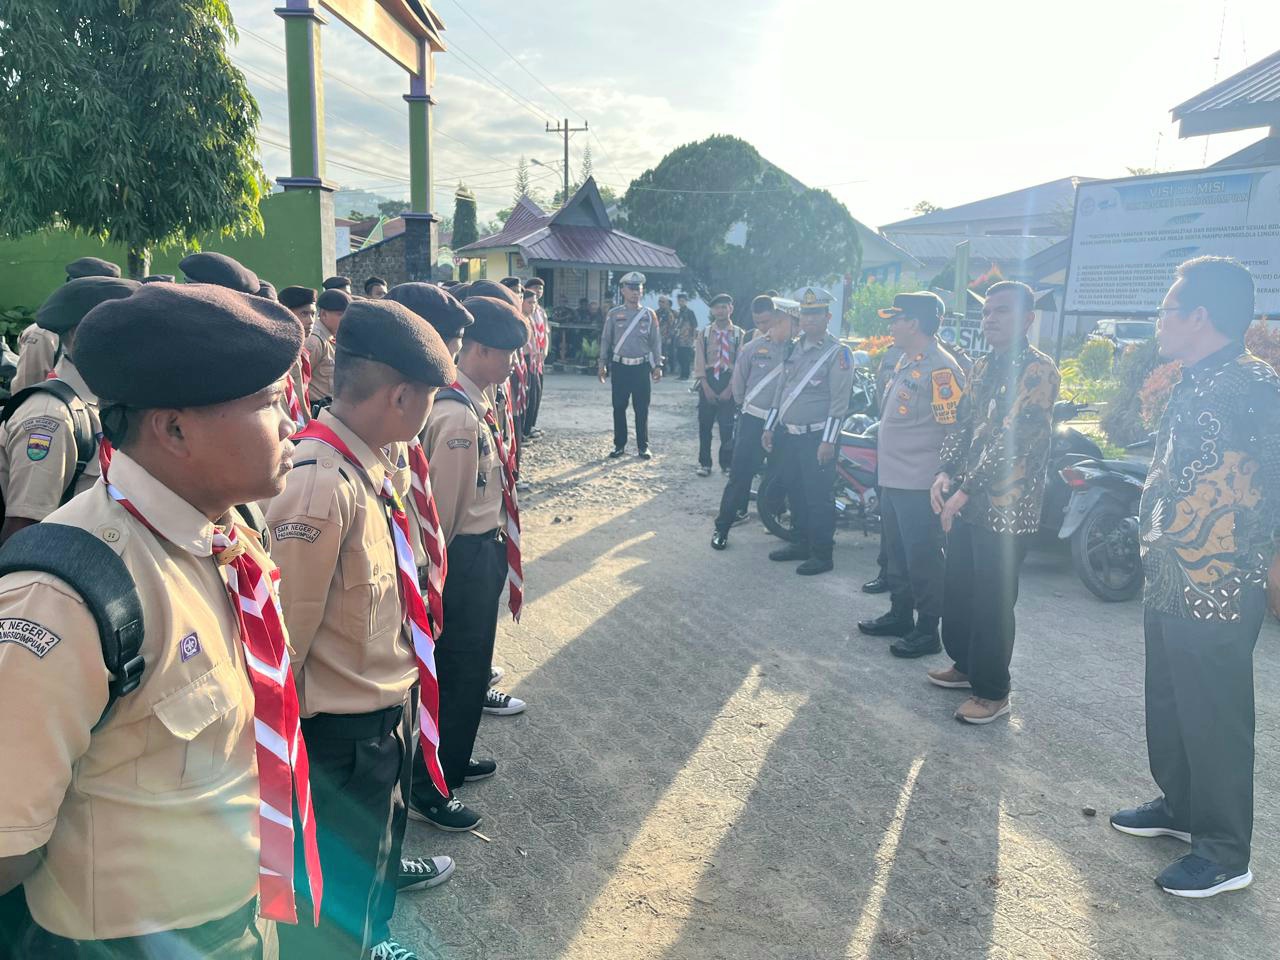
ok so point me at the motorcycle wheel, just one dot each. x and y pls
(1105, 555)
(774, 510)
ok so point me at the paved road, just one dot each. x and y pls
(712, 768)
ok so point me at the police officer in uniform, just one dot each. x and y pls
(755, 375)
(631, 353)
(139, 836)
(803, 426)
(334, 533)
(465, 448)
(715, 353)
(321, 344)
(39, 466)
(38, 349)
(918, 407)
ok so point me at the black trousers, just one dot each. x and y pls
(477, 572)
(237, 936)
(684, 356)
(810, 486)
(882, 558)
(631, 384)
(977, 608)
(535, 402)
(748, 457)
(360, 776)
(711, 413)
(1199, 695)
(913, 541)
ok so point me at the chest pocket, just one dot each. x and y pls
(192, 733)
(370, 601)
(904, 399)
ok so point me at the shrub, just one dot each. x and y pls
(1096, 359)
(1122, 422)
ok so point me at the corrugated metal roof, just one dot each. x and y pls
(1259, 83)
(1038, 201)
(596, 247)
(937, 246)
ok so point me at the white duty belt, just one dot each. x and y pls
(617, 347)
(630, 361)
(799, 429)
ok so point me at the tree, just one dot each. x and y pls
(924, 207)
(523, 185)
(464, 217)
(126, 119)
(701, 191)
(393, 208)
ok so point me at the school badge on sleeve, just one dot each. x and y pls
(38, 446)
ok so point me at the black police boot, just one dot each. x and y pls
(819, 562)
(920, 642)
(879, 585)
(792, 551)
(898, 622)
(719, 539)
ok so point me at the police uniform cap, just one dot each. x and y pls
(75, 298)
(185, 345)
(389, 332)
(535, 283)
(337, 283)
(633, 279)
(333, 299)
(720, 298)
(487, 288)
(220, 270)
(91, 267)
(785, 305)
(814, 300)
(921, 305)
(498, 323)
(160, 278)
(433, 304)
(294, 297)
(268, 289)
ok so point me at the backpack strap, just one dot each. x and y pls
(81, 425)
(94, 571)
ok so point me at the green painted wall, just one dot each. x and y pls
(290, 252)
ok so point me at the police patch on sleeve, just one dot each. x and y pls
(29, 634)
(946, 396)
(295, 530)
(846, 359)
(38, 446)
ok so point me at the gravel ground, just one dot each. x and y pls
(711, 767)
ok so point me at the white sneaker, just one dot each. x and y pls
(391, 950)
(495, 676)
(499, 704)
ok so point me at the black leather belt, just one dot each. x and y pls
(354, 726)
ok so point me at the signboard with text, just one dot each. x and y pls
(965, 332)
(1130, 235)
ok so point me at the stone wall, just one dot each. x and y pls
(385, 259)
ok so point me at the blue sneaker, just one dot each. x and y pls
(1148, 820)
(1194, 876)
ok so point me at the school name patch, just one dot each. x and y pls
(26, 633)
(297, 531)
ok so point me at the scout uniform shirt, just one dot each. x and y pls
(339, 583)
(708, 344)
(643, 344)
(38, 450)
(150, 823)
(813, 389)
(466, 472)
(916, 411)
(756, 374)
(321, 347)
(38, 351)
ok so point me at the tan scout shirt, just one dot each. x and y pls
(151, 822)
(708, 343)
(38, 450)
(917, 409)
(466, 474)
(321, 348)
(331, 537)
(37, 351)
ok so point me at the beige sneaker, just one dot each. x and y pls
(977, 710)
(951, 678)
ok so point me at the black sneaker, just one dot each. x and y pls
(422, 873)
(645, 454)
(741, 517)
(1194, 876)
(719, 540)
(879, 585)
(917, 643)
(480, 770)
(499, 704)
(891, 624)
(1148, 820)
(617, 452)
(391, 950)
(451, 815)
(495, 675)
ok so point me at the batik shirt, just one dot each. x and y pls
(1210, 510)
(999, 446)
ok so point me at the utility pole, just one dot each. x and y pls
(565, 129)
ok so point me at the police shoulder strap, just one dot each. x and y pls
(635, 322)
(790, 398)
(81, 425)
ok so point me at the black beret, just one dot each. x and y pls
(498, 323)
(772, 293)
(334, 299)
(372, 281)
(462, 289)
(293, 297)
(91, 267)
(487, 288)
(334, 283)
(391, 333)
(449, 284)
(720, 298)
(437, 306)
(160, 278)
(220, 270)
(512, 283)
(529, 293)
(185, 345)
(267, 289)
(535, 282)
(75, 298)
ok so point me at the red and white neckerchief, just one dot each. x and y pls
(515, 573)
(723, 358)
(306, 379)
(291, 401)
(507, 452)
(283, 770)
(413, 607)
(432, 534)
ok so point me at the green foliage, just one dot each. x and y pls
(393, 208)
(861, 318)
(126, 119)
(590, 350)
(1096, 359)
(1079, 385)
(793, 234)
(13, 321)
(1122, 422)
(464, 218)
(924, 207)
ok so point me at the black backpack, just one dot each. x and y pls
(82, 426)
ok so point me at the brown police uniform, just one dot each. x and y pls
(150, 823)
(321, 349)
(38, 351)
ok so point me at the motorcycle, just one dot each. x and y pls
(1102, 523)
(1069, 445)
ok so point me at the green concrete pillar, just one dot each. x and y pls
(302, 25)
(420, 222)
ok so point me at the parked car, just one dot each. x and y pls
(1124, 333)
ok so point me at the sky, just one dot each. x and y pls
(883, 104)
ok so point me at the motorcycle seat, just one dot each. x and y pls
(1129, 465)
(856, 440)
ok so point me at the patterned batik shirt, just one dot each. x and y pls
(999, 446)
(1210, 510)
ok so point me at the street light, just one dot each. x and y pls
(551, 165)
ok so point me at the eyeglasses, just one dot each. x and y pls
(1162, 312)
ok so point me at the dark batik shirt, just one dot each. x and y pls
(999, 446)
(1211, 505)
